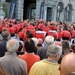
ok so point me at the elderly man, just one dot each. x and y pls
(48, 66)
(42, 50)
(10, 62)
(67, 66)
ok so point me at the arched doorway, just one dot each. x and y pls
(29, 9)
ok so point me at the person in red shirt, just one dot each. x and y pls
(31, 26)
(72, 32)
(40, 35)
(46, 27)
(60, 32)
(1, 26)
(12, 30)
(40, 25)
(53, 33)
(21, 34)
(27, 35)
(33, 31)
(29, 56)
(52, 26)
(66, 34)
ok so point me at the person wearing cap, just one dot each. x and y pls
(10, 62)
(50, 65)
(40, 35)
(52, 26)
(49, 40)
(21, 34)
(72, 31)
(31, 26)
(59, 34)
(67, 66)
(66, 34)
(12, 30)
(52, 30)
(41, 25)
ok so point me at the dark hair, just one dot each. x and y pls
(73, 42)
(65, 46)
(27, 31)
(73, 46)
(60, 22)
(10, 25)
(20, 29)
(20, 48)
(65, 38)
(29, 46)
(35, 50)
(29, 34)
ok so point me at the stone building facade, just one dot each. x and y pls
(57, 10)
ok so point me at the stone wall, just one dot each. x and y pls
(38, 3)
(19, 9)
(48, 3)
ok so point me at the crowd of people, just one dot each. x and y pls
(30, 47)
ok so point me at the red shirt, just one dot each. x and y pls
(30, 27)
(12, 30)
(21, 34)
(30, 59)
(52, 27)
(66, 33)
(7, 26)
(46, 29)
(60, 35)
(33, 32)
(18, 28)
(40, 36)
(1, 26)
(25, 37)
(41, 26)
(73, 34)
(53, 33)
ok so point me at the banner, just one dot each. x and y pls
(41, 11)
(12, 7)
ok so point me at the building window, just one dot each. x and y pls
(69, 13)
(59, 10)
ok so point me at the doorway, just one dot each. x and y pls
(49, 14)
(29, 9)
